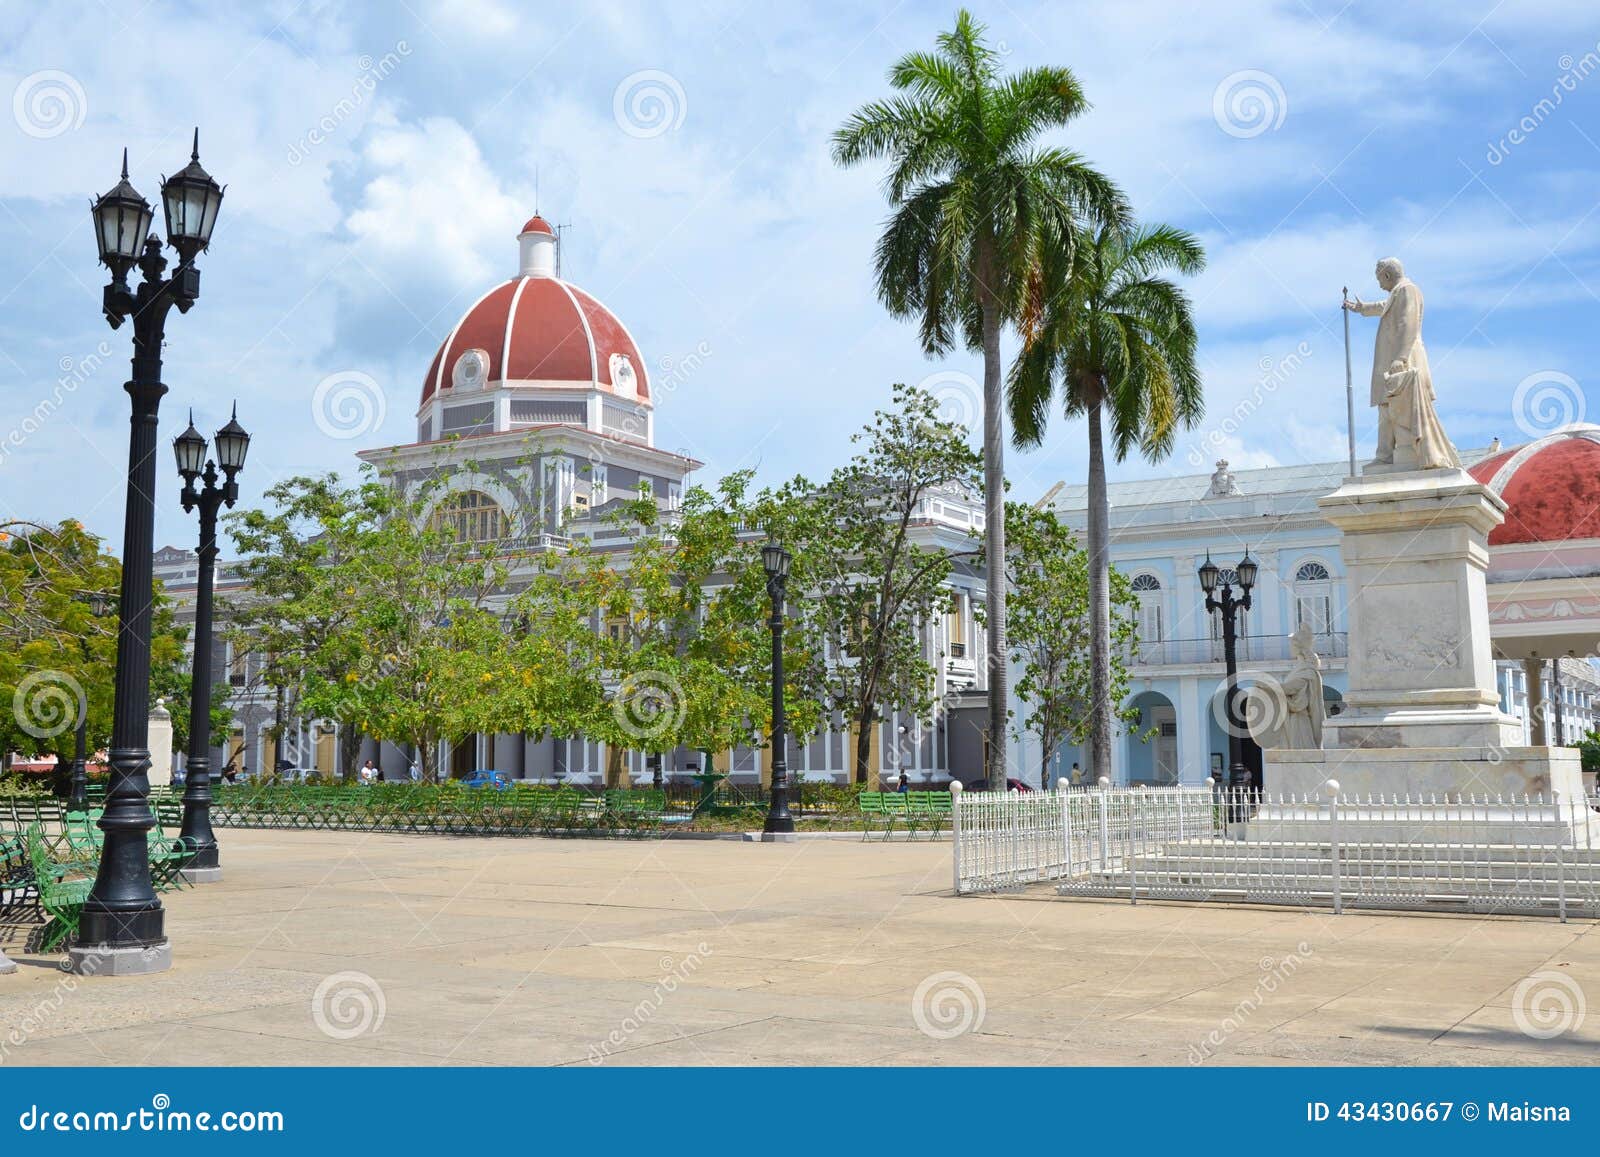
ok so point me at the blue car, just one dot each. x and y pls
(485, 778)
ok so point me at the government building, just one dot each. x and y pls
(537, 413)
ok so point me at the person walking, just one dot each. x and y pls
(905, 783)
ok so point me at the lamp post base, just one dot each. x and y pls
(194, 874)
(104, 960)
(787, 837)
(7, 965)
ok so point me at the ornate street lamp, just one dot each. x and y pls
(201, 489)
(123, 927)
(1230, 606)
(775, 560)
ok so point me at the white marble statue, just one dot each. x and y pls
(1302, 692)
(1409, 433)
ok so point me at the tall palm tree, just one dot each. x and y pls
(1106, 336)
(977, 203)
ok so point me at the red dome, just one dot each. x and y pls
(537, 224)
(541, 329)
(1551, 486)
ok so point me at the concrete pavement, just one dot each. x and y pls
(347, 949)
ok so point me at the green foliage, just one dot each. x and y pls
(1110, 339)
(1589, 750)
(978, 204)
(1049, 629)
(872, 583)
(58, 641)
(369, 612)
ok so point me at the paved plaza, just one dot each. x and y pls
(352, 949)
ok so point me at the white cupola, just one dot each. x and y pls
(538, 244)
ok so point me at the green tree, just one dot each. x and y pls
(663, 642)
(865, 581)
(373, 611)
(58, 642)
(1112, 340)
(977, 202)
(1050, 633)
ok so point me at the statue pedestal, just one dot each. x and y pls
(1422, 716)
(1421, 673)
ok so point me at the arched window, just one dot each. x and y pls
(1313, 598)
(471, 516)
(1147, 589)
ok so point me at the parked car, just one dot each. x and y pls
(483, 777)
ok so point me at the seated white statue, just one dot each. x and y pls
(1302, 692)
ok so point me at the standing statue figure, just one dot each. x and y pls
(1409, 433)
(1302, 692)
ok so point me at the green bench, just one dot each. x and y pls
(61, 889)
(643, 807)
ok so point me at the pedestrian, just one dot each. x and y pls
(904, 784)
(368, 772)
(1076, 777)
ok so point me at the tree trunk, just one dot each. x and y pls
(864, 727)
(994, 514)
(349, 750)
(1099, 602)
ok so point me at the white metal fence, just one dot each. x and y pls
(1478, 854)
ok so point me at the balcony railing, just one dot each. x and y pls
(1251, 648)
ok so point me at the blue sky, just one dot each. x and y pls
(1301, 141)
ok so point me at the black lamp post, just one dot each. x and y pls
(201, 489)
(776, 562)
(78, 789)
(1210, 577)
(122, 929)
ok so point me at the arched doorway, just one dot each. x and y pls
(1152, 742)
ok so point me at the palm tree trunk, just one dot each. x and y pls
(1099, 601)
(994, 520)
